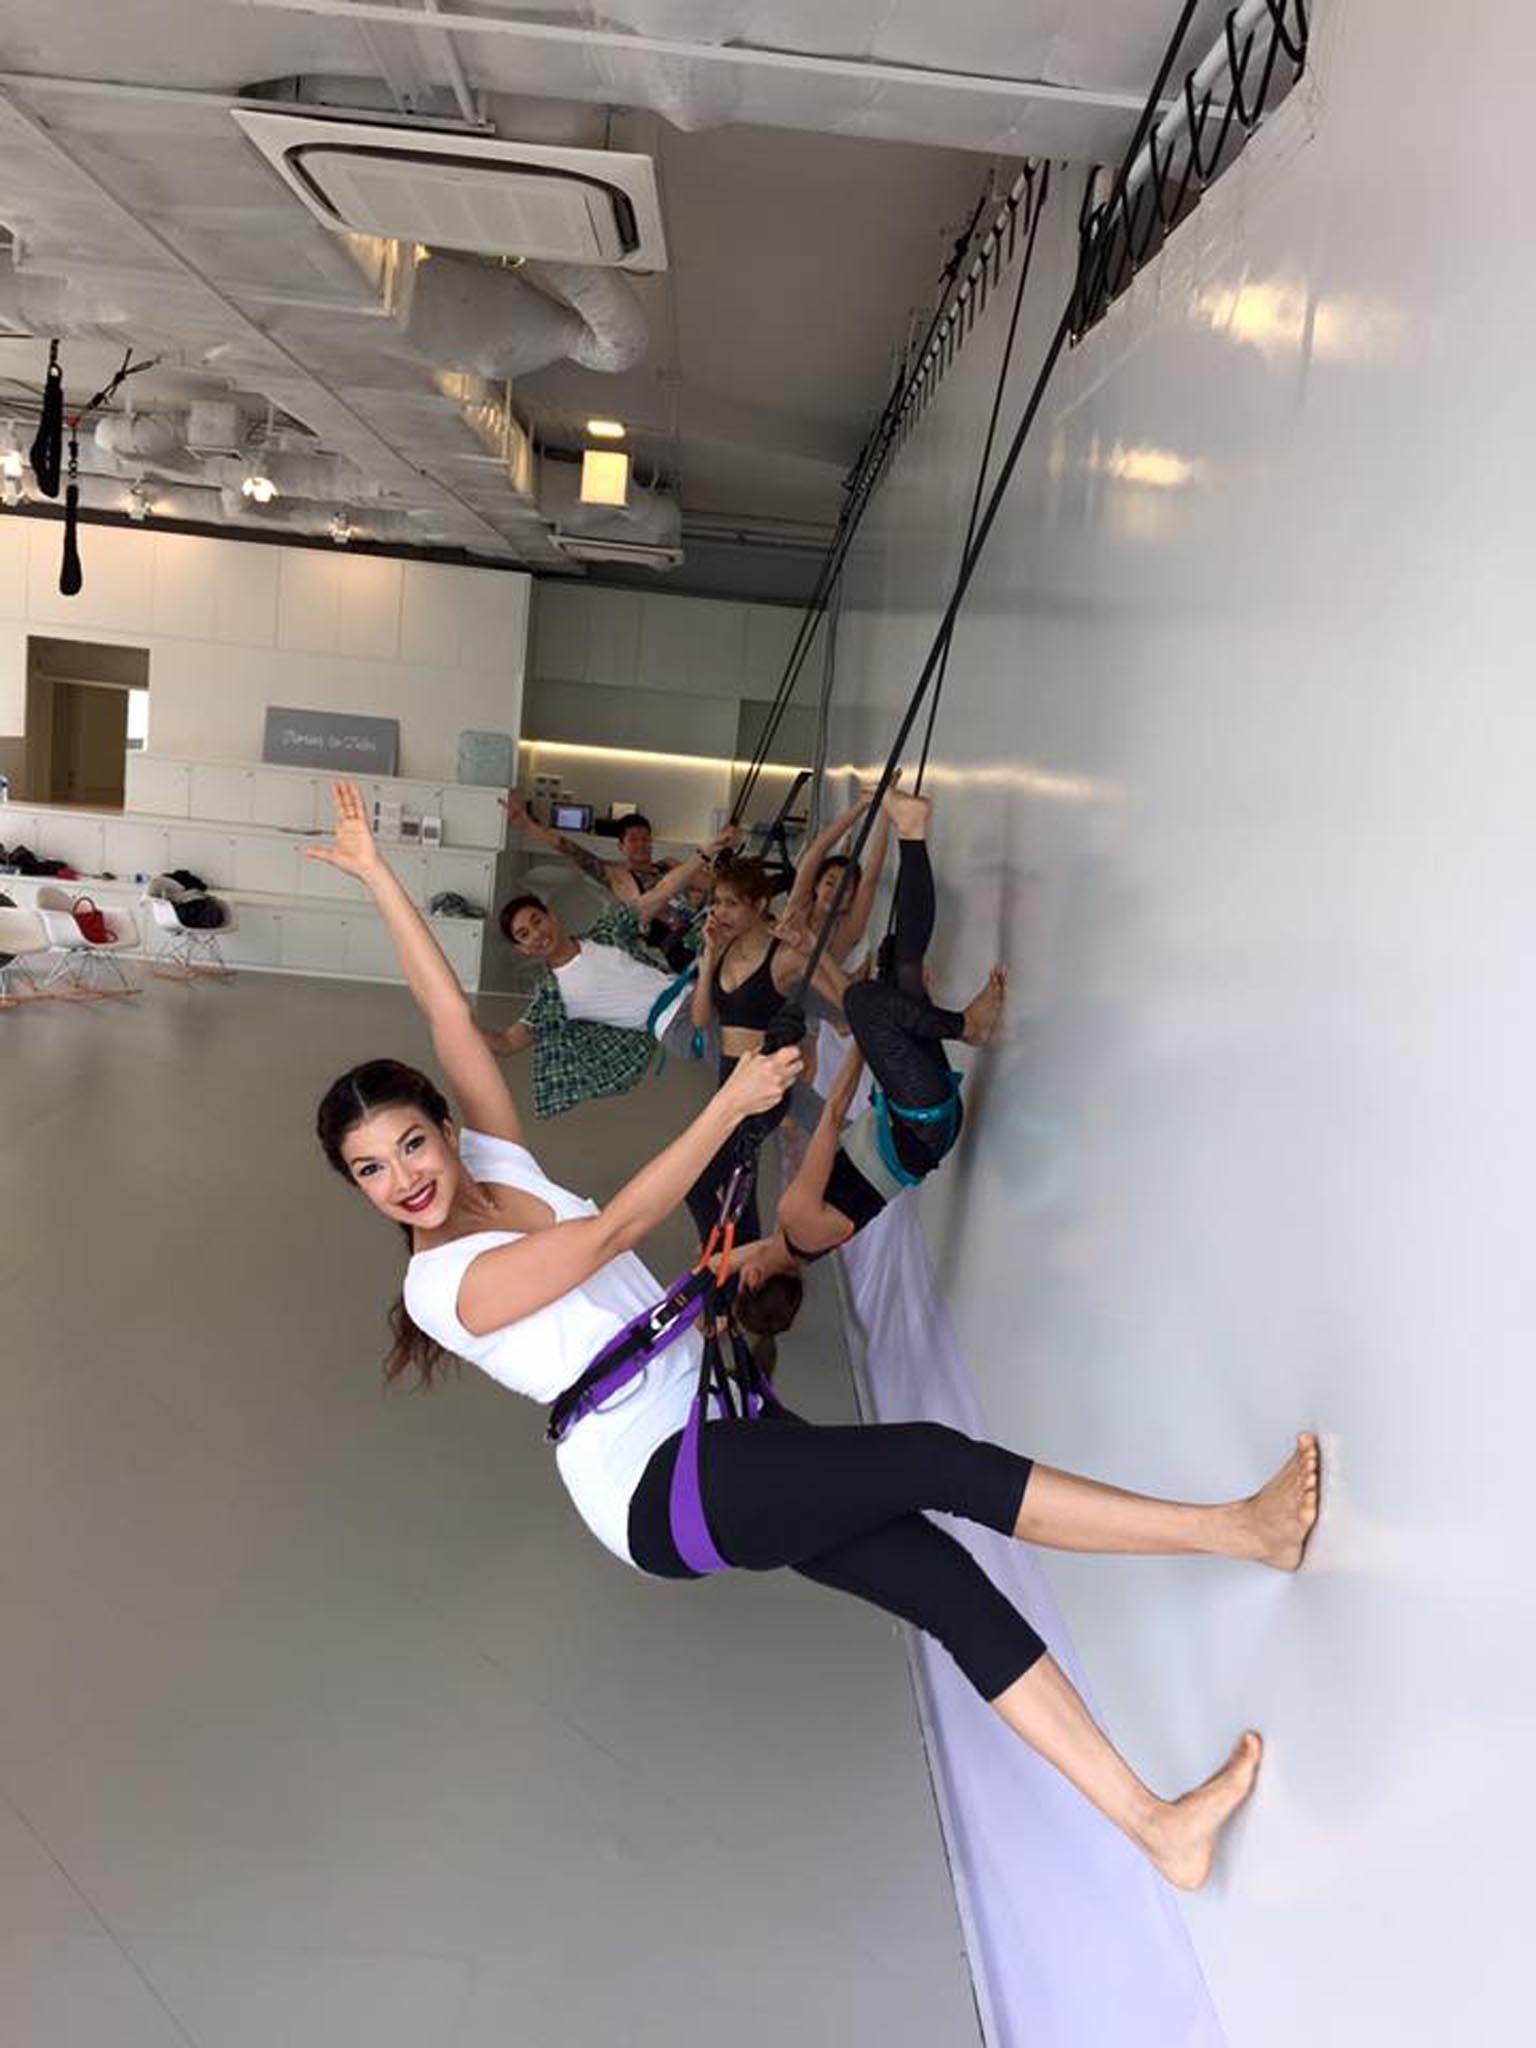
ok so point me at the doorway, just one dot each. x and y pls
(87, 709)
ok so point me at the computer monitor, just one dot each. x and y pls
(569, 817)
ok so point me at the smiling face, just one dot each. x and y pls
(635, 845)
(536, 931)
(405, 1164)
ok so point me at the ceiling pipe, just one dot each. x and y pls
(461, 314)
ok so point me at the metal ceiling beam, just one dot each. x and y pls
(734, 55)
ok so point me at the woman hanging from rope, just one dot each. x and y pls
(913, 1119)
(529, 1281)
(819, 877)
(745, 972)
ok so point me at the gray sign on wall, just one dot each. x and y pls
(339, 742)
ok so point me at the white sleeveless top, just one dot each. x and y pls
(603, 1457)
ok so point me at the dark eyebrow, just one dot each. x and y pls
(372, 1158)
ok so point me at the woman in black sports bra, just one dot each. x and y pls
(852, 1170)
(745, 972)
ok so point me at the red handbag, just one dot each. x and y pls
(92, 921)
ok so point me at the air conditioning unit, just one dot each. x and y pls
(582, 547)
(457, 191)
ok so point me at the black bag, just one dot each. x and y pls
(6, 903)
(202, 913)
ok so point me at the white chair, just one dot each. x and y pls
(84, 968)
(21, 936)
(186, 951)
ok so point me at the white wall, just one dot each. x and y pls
(232, 628)
(656, 678)
(1238, 778)
(648, 640)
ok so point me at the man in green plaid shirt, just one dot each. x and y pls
(602, 1000)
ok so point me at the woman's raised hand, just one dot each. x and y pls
(762, 1080)
(352, 849)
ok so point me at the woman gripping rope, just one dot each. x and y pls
(529, 1282)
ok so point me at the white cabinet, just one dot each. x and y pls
(130, 849)
(279, 796)
(461, 941)
(220, 791)
(256, 940)
(79, 840)
(312, 941)
(473, 817)
(268, 866)
(370, 954)
(467, 874)
(291, 914)
(161, 787)
(210, 854)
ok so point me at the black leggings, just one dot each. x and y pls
(844, 1506)
(899, 1031)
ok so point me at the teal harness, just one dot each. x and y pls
(660, 1007)
(946, 1113)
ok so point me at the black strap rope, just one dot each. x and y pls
(1106, 234)
(859, 489)
(971, 557)
(999, 389)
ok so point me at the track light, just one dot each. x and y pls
(259, 487)
(137, 503)
(340, 529)
(606, 430)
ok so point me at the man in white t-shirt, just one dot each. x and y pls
(601, 980)
(602, 1004)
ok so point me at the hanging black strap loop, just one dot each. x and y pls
(71, 574)
(47, 451)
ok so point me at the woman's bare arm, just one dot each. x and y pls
(512, 1281)
(856, 920)
(473, 1076)
(809, 864)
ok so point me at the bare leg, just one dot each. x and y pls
(1063, 1512)
(1179, 1835)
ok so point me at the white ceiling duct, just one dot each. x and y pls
(458, 191)
(481, 317)
(137, 436)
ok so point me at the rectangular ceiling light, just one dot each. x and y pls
(604, 476)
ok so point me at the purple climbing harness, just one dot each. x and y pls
(625, 1357)
(740, 1391)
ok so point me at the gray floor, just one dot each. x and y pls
(322, 1721)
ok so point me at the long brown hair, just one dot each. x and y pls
(376, 1085)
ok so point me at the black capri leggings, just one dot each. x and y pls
(899, 1031)
(844, 1506)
